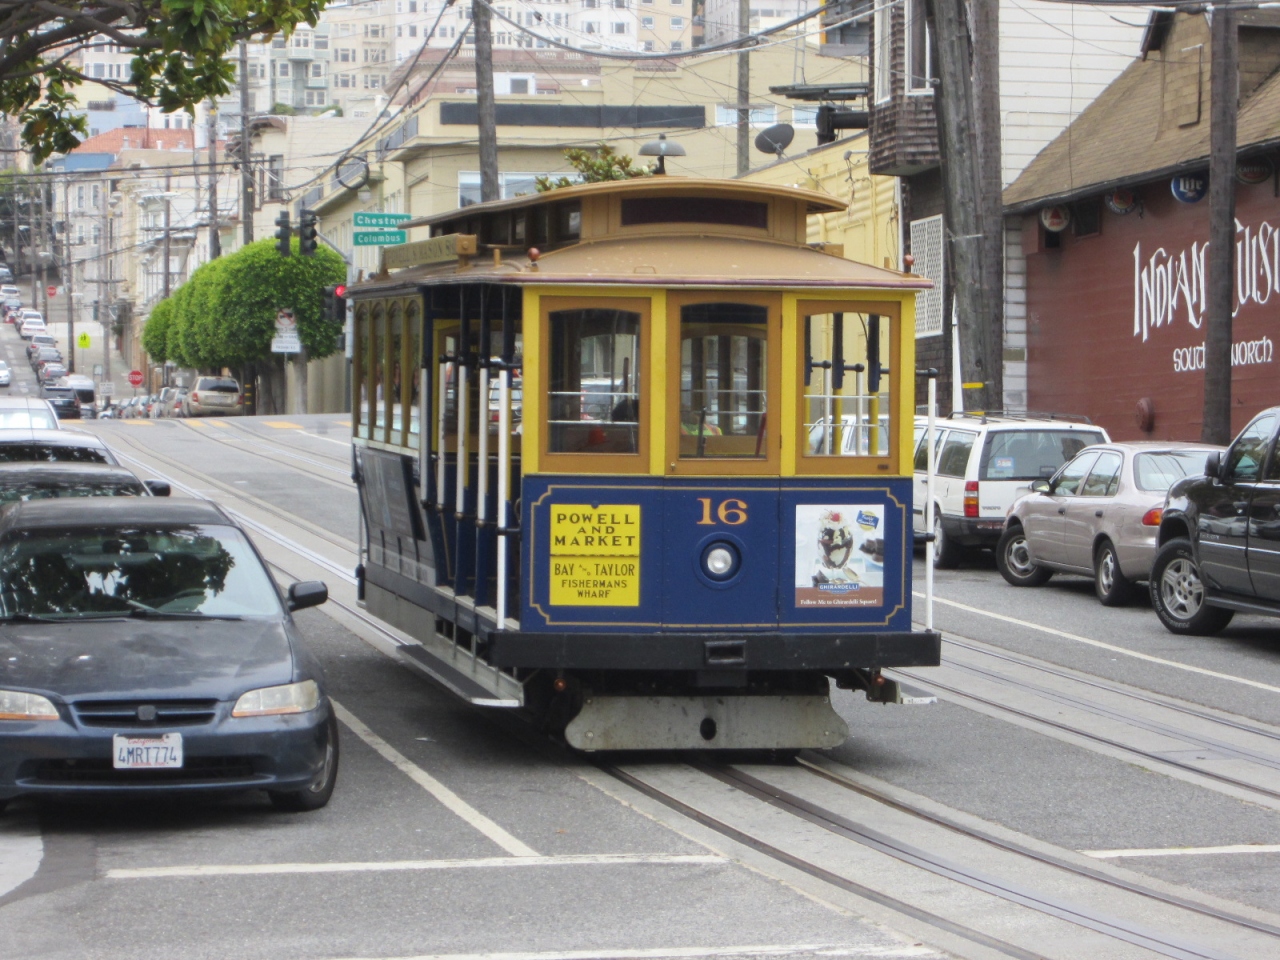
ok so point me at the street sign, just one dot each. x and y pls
(380, 219)
(83, 341)
(51, 290)
(286, 338)
(135, 378)
(378, 238)
(106, 388)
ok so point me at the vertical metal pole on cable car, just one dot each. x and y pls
(482, 417)
(504, 460)
(424, 398)
(930, 470)
(463, 352)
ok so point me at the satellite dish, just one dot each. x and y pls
(775, 139)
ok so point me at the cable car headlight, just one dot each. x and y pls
(720, 561)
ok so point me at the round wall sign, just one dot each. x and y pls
(1055, 219)
(1255, 171)
(1190, 188)
(1121, 201)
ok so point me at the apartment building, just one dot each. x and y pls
(721, 18)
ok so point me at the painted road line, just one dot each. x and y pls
(21, 850)
(343, 423)
(256, 869)
(282, 425)
(1103, 645)
(692, 953)
(1184, 851)
(138, 422)
(217, 423)
(434, 787)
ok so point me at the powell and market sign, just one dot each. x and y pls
(1169, 286)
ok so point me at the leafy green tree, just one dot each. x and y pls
(155, 333)
(258, 282)
(603, 164)
(182, 55)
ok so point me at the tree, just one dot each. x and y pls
(596, 167)
(181, 55)
(155, 333)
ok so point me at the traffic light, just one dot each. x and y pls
(334, 308)
(307, 233)
(283, 232)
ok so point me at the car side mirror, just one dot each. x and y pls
(1039, 486)
(158, 488)
(307, 593)
(1213, 465)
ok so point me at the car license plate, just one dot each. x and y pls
(147, 753)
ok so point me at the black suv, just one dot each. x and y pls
(64, 401)
(1219, 548)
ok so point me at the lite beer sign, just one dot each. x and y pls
(1169, 286)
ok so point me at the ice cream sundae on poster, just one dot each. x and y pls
(839, 555)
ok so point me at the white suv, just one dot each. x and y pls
(984, 463)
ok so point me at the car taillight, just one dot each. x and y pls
(195, 396)
(971, 498)
(1153, 517)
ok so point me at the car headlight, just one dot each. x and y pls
(274, 701)
(16, 705)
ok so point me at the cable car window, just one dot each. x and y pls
(394, 374)
(359, 350)
(412, 358)
(846, 385)
(723, 370)
(377, 347)
(593, 388)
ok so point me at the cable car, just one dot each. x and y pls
(636, 457)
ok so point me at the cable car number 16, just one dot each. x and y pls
(730, 512)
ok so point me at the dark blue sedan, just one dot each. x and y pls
(144, 647)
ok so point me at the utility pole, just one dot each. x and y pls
(246, 174)
(17, 233)
(105, 264)
(215, 240)
(744, 89)
(33, 234)
(68, 275)
(1224, 86)
(42, 231)
(165, 285)
(969, 142)
(486, 110)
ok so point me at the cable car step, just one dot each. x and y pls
(469, 688)
(786, 722)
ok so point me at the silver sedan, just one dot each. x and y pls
(1098, 517)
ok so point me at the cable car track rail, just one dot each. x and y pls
(256, 446)
(1010, 891)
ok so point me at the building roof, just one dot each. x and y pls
(138, 138)
(1152, 121)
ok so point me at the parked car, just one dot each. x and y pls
(85, 394)
(39, 342)
(984, 463)
(9, 290)
(30, 413)
(1220, 537)
(53, 446)
(6, 274)
(48, 481)
(51, 371)
(163, 406)
(235, 703)
(63, 400)
(214, 396)
(30, 327)
(1097, 517)
(43, 354)
(6, 376)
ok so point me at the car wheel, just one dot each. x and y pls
(1013, 558)
(317, 793)
(946, 554)
(1114, 589)
(1177, 593)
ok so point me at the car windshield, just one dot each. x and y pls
(13, 489)
(1157, 472)
(201, 570)
(1031, 454)
(38, 418)
(50, 453)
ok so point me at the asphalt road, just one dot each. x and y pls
(455, 832)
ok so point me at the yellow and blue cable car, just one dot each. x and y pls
(636, 457)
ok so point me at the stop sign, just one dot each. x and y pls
(51, 290)
(135, 378)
